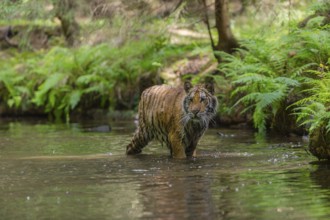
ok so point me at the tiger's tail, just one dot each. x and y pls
(139, 140)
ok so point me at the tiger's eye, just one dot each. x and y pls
(203, 99)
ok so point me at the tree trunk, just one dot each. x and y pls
(226, 40)
(64, 12)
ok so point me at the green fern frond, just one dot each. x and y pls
(259, 120)
(249, 78)
(327, 127)
(249, 98)
(270, 98)
(300, 69)
(287, 81)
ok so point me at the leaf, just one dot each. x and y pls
(52, 81)
(85, 79)
(250, 78)
(287, 81)
(157, 64)
(49, 84)
(17, 100)
(52, 99)
(74, 98)
(267, 99)
(10, 103)
(259, 120)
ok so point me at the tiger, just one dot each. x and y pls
(176, 116)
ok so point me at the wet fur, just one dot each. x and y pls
(176, 116)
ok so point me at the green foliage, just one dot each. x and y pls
(67, 76)
(24, 9)
(271, 72)
(313, 110)
(321, 6)
(62, 80)
(261, 81)
(14, 87)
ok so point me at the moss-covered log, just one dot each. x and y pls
(319, 143)
(285, 122)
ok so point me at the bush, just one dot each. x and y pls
(271, 74)
(62, 80)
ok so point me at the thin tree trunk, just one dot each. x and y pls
(64, 12)
(226, 40)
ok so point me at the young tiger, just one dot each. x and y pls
(176, 116)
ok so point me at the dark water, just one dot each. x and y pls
(79, 171)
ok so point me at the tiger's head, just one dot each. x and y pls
(200, 104)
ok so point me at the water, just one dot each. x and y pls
(79, 171)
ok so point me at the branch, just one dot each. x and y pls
(206, 20)
(304, 22)
(177, 6)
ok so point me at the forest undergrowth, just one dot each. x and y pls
(278, 80)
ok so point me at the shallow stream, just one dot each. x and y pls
(80, 171)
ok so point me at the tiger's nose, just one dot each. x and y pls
(195, 111)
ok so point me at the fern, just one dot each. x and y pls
(266, 76)
(313, 110)
(12, 87)
(61, 80)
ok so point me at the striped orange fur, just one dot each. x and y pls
(176, 116)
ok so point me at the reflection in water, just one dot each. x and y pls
(178, 198)
(52, 171)
(321, 179)
(173, 190)
(321, 175)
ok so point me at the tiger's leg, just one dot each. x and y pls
(139, 140)
(191, 144)
(191, 151)
(176, 146)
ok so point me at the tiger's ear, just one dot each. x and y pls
(209, 86)
(187, 86)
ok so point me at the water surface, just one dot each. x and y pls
(80, 171)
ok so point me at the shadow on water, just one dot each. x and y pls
(52, 171)
(321, 175)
